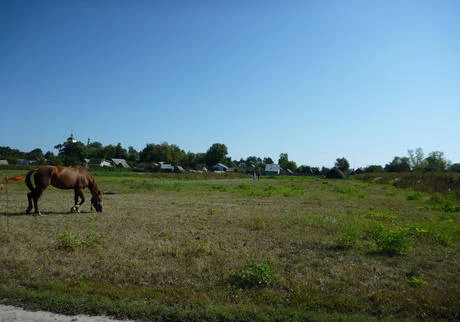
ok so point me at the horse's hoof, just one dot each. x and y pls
(75, 209)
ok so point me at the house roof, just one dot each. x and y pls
(121, 163)
(272, 167)
(166, 166)
(220, 166)
(105, 163)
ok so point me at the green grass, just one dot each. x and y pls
(182, 248)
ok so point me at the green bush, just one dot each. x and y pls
(69, 241)
(255, 274)
(414, 195)
(348, 238)
(391, 240)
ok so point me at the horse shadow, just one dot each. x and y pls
(44, 213)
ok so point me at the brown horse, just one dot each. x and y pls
(76, 178)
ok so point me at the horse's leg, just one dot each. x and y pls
(29, 198)
(34, 195)
(78, 194)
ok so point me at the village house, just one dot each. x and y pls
(272, 169)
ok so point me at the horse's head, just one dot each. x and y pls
(96, 200)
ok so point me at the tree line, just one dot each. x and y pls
(73, 152)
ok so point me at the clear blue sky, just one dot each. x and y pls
(318, 80)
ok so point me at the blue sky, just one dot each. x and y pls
(318, 80)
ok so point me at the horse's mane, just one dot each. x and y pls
(92, 185)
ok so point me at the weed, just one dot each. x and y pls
(172, 250)
(383, 215)
(83, 279)
(167, 235)
(437, 199)
(391, 240)
(257, 224)
(416, 281)
(446, 204)
(414, 195)
(221, 188)
(444, 238)
(348, 238)
(69, 241)
(254, 274)
(449, 216)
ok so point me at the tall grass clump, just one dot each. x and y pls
(255, 274)
(69, 241)
(348, 238)
(390, 240)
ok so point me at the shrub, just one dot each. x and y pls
(69, 241)
(391, 241)
(348, 238)
(335, 173)
(255, 274)
(414, 195)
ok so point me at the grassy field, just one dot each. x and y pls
(186, 249)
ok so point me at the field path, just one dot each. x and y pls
(15, 314)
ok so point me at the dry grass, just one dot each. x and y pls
(174, 243)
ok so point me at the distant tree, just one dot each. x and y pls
(95, 151)
(316, 171)
(133, 155)
(342, 164)
(71, 152)
(398, 165)
(416, 159)
(200, 161)
(148, 153)
(291, 165)
(254, 162)
(283, 160)
(174, 154)
(36, 155)
(305, 170)
(435, 162)
(163, 153)
(216, 154)
(268, 160)
(373, 169)
(110, 151)
(12, 155)
(285, 163)
(335, 173)
(120, 152)
(454, 167)
(52, 159)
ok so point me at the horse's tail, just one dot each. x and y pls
(28, 181)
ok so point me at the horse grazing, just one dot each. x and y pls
(76, 178)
